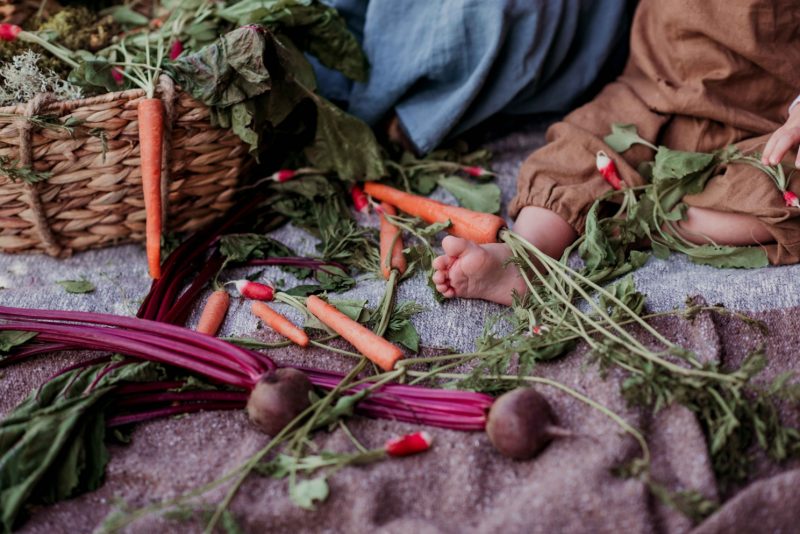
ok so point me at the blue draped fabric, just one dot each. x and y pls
(444, 66)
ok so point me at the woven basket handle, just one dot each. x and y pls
(40, 222)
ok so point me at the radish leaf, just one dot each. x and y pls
(76, 286)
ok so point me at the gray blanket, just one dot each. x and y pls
(461, 485)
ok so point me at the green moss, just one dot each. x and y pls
(79, 28)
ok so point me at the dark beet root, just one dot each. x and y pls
(278, 398)
(520, 424)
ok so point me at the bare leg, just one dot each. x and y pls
(469, 270)
(736, 229)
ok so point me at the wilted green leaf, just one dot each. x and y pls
(13, 338)
(76, 286)
(477, 197)
(624, 136)
(306, 492)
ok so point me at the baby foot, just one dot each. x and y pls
(474, 271)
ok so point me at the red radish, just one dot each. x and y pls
(283, 175)
(791, 199)
(381, 352)
(608, 169)
(478, 227)
(278, 398)
(214, 312)
(408, 444)
(520, 424)
(280, 324)
(360, 200)
(9, 32)
(476, 172)
(253, 290)
(116, 73)
(175, 50)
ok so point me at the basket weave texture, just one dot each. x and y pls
(93, 197)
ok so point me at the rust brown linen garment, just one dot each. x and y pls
(701, 75)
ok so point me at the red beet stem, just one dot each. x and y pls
(121, 420)
(104, 339)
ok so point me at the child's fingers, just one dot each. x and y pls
(767, 153)
(786, 140)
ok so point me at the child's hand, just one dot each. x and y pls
(785, 138)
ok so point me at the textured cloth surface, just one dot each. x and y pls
(448, 65)
(690, 84)
(461, 485)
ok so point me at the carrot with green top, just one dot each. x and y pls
(279, 323)
(391, 244)
(377, 349)
(472, 225)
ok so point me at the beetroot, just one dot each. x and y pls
(278, 398)
(521, 423)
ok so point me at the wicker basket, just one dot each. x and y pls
(93, 197)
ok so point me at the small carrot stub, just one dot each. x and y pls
(214, 312)
(377, 349)
(408, 444)
(254, 290)
(475, 226)
(280, 324)
(151, 131)
(608, 169)
(391, 243)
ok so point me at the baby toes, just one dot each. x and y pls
(442, 263)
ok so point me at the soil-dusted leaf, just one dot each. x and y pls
(13, 338)
(344, 144)
(315, 27)
(76, 286)
(624, 136)
(52, 445)
(477, 197)
(306, 492)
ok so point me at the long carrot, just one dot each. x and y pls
(214, 312)
(472, 225)
(151, 132)
(391, 244)
(371, 345)
(279, 323)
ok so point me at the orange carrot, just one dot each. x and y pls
(368, 343)
(279, 323)
(391, 244)
(472, 225)
(214, 312)
(151, 131)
